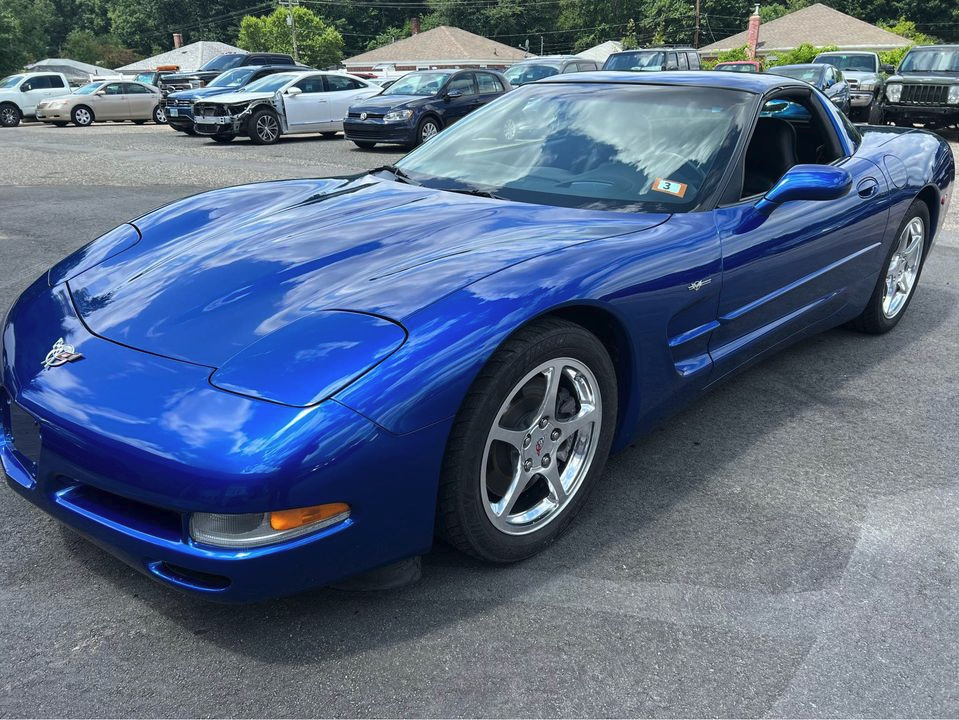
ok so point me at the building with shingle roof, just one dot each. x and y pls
(441, 47)
(600, 52)
(188, 58)
(818, 25)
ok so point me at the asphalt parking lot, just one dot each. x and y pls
(787, 547)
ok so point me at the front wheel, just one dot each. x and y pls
(428, 129)
(899, 275)
(264, 127)
(10, 115)
(363, 145)
(223, 137)
(82, 116)
(530, 440)
(875, 115)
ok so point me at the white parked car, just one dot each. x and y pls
(21, 93)
(282, 104)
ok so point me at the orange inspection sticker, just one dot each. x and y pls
(669, 186)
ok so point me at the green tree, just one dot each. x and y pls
(318, 44)
(805, 53)
(24, 33)
(629, 40)
(103, 50)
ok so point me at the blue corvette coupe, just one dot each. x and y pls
(266, 388)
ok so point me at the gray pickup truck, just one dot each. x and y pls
(865, 75)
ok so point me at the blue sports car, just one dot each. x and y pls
(271, 387)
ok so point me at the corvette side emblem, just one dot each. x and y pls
(60, 354)
(699, 284)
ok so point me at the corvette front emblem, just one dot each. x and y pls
(60, 354)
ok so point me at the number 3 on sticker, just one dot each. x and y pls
(670, 187)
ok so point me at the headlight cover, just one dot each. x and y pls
(894, 91)
(953, 97)
(398, 115)
(257, 529)
(867, 85)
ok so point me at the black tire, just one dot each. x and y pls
(263, 127)
(224, 138)
(462, 516)
(875, 115)
(873, 319)
(60, 124)
(82, 116)
(10, 115)
(159, 115)
(328, 135)
(364, 145)
(427, 129)
(139, 122)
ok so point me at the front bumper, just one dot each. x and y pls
(376, 130)
(132, 444)
(47, 115)
(922, 113)
(216, 125)
(179, 116)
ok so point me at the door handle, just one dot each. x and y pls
(868, 188)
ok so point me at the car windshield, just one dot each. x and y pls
(591, 146)
(522, 74)
(428, 83)
(856, 63)
(223, 62)
(270, 83)
(744, 67)
(649, 60)
(88, 89)
(806, 74)
(931, 60)
(10, 81)
(146, 77)
(233, 78)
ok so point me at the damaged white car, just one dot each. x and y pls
(282, 104)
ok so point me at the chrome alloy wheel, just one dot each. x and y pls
(429, 131)
(9, 116)
(267, 128)
(903, 268)
(82, 116)
(541, 446)
(159, 115)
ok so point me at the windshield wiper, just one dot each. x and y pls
(475, 191)
(396, 172)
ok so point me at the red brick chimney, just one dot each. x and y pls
(177, 40)
(752, 35)
(415, 25)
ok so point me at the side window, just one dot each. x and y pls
(259, 61)
(114, 89)
(311, 84)
(134, 89)
(463, 83)
(588, 66)
(488, 83)
(39, 83)
(694, 61)
(671, 62)
(336, 83)
(55, 81)
(683, 63)
(830, 77)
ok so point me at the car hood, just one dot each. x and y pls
(862, 76)
(931, 78)
(382, 104)
(241, 97)
(212, 274)
(200, 93)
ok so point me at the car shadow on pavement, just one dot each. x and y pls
(726, 495)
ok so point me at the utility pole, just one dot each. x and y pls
(292, 23)
(696, 28)
(541, 45)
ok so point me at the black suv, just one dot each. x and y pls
(925, 88)
(199, 78)
(652, 59)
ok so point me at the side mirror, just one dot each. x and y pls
(25, 88)
(887, 69)
(453, 94)
(807, 182)
(101, 93)
(293, 91)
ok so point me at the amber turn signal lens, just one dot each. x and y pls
(289, 519)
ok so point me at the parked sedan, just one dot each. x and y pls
(744, 66)
(535, 69)
(104, 100)
(178, 106)
(282, 104)
(825, 78)
(420, 104)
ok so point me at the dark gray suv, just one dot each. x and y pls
(654, 59)
(538, 68)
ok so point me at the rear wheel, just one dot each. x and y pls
(900, 274)
(10, 115)
(82, 116)
(363, 145)
(530, 440)
(328, 135)
(264, 127)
